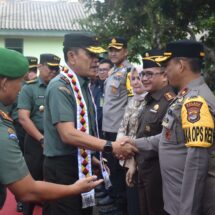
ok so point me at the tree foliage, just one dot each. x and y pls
(152, 23)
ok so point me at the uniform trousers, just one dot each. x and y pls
(117, 177)
(33, 153)
(63, 170)
(150, 188)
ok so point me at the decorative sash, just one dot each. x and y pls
(84, 155)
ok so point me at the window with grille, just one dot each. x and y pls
(15, 44)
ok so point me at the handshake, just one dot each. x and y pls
(124, 148)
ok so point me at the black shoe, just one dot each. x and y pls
(105, 201)
(19, 207)
(100, 194)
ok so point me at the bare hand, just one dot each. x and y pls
(87, 184)
(130, 176)
(123, 148)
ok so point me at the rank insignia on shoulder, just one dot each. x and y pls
(147, 128)
(64, 89)
(169, 96)
(31, 81)
(65, 79)
(5, 116)
(183, 92)
(118, 74)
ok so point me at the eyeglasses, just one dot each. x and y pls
(150, 74)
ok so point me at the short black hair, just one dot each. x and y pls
(195, 63)
(106, 61)
(66, 49)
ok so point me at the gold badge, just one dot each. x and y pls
(41, 108)
(169, 96)
(113, 40)
(156, 107)
(147, 128)
(10, 131)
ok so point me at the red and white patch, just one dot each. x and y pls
(193, 111)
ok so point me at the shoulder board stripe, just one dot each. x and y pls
(169, 96)
(5, 116)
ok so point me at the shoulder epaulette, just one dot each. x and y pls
(66, 80)
(5, 116)
(169, 96)
(31, 81)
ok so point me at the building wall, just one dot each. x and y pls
(34, 46)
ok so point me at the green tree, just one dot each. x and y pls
(152, 23)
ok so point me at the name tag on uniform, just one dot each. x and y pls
(41, 97)
(101, 102)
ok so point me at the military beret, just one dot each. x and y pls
(49, 59)
(149, 58)
(82, 41)
(12, 63)
(33, 61)
(117, 42)
(183, 48)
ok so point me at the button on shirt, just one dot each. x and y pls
(32, 97)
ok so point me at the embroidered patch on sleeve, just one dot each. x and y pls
(197, 123)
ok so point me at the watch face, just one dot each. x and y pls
(108, 147)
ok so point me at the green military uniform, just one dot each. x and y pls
(61, 161)
(12, 164)
(61, 107)
(9, 162)
(32, 98)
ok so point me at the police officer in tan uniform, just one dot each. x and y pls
(116, 96)
(186, 144)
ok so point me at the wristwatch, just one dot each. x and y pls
(108, 147)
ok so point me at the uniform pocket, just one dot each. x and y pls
(169, 131)
(115, 87)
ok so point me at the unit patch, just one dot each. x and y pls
(193, 111)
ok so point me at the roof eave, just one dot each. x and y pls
(40, 33)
